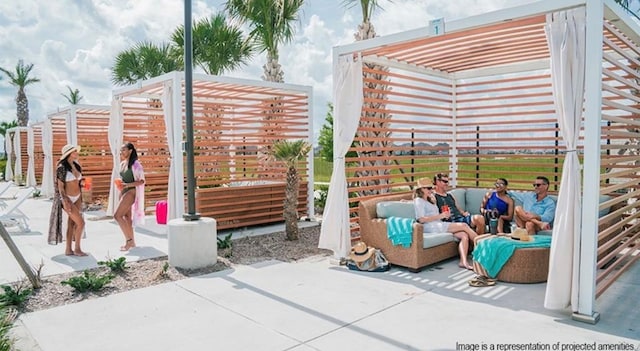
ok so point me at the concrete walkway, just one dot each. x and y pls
(308, 305)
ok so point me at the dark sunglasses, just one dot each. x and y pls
(427, 187)
(535, 185)
(444, 181)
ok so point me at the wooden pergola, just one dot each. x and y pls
(235, 123)
(477, 99)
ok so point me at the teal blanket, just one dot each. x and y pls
(399, 230)
(493, 253)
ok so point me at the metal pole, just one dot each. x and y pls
(191, 214)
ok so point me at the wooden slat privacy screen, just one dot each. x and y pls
(234, 123)
(38, 153)
(424, 113)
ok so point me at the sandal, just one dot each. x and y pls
(482, 281)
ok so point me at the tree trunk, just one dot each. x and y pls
(22, 108)
(291, 204)
(373, 130)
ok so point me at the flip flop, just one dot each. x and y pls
(481, 282)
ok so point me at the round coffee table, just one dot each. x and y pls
(526, 265)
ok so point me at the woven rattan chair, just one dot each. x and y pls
(526, 265)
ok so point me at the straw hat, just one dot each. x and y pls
(360, 252)
(424, 182)
(521, 234)
(68, 149)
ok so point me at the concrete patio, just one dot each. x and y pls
(308, 305)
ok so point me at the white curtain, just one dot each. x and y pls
(566, 31)
(31, 173)
(115, 142)
(172, 109)
(335, 234)
(17, 150)
(47, 149)
(8, 148)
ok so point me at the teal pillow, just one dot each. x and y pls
(404, 209)
(474, 199)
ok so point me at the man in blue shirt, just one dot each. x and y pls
(538, 209)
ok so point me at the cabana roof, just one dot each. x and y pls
(504, 41)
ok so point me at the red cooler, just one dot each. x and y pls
(161, 212)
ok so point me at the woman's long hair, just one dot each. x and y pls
(420, 193)
(133, 156)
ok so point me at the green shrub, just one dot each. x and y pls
(225, 243)
(117, 266)
(15, 295)
(320, 196)
(6, 322)
(88, 281)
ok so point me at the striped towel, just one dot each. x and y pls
(399, 230)
(493, 253)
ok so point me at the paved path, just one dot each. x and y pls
(309, 305)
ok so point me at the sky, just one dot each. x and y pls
(74, 42)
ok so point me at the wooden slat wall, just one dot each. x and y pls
(59, 135)
(233, 126)
(620, 156)
(96, 157)
(38, 154)
(24, 156)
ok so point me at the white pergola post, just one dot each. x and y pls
(591, 165)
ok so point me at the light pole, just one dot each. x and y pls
(191, 214)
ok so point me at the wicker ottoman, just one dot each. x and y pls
(526, 265)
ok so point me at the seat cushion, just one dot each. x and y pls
(435, 239)
(474, 200)
(459, 195)
(404, 209)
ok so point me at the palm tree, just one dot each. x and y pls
(217, 46)
(73, 97)
(143, 61)
(290, 153)
(271, 24)
(372, 135)
(20, 78)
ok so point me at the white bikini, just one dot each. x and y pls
(70, 177)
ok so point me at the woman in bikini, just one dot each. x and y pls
(428, 214)
(68, 200)
(130, 211)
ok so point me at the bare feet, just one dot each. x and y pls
(68, 253)
(79, 253)
(465, 266)
(128, 245)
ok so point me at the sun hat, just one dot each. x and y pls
(361, 252)
(424, 182)
(68, 149)
(521, 234)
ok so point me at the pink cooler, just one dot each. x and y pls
(161, 212)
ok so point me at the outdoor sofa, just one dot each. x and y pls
(425, 248)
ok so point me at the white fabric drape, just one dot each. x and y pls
(17, 150)
(335, 234)
(47, 149)
(566, 38)
(8, 148)
(115, 142)
(172, 110)
(31, 173)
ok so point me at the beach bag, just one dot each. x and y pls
(367, 259)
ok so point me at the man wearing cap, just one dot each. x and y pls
(446, 201)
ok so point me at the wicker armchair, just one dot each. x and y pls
(373, 231)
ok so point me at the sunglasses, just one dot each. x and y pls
(444, 181)
(427, 187)
(499, 184)
(535, 185)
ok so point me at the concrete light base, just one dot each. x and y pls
(192, 244)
